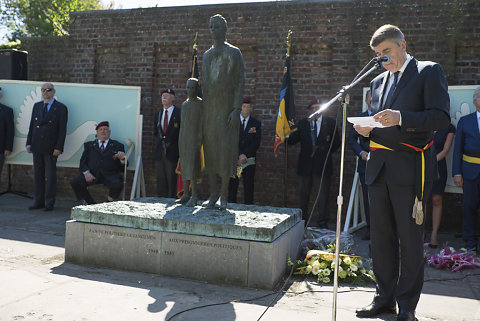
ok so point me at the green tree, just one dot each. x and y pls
(41, 17)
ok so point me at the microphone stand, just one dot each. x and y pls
(343, 96)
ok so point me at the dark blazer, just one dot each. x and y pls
(422, 98)
(358, 144)
(101, 163)
(467, 141)
(7, 129)
(249, 140)
(166, 143)
(47, 134)
(308, 165)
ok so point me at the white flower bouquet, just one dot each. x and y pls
(321, 265)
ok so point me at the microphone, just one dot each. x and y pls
(385, 59)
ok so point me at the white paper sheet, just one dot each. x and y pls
(365, 121)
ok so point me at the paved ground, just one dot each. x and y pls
(36, 284)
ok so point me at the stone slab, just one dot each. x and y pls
(267, 262)
(119, 247)
(210, 259)
(204, 258)
(244, 222)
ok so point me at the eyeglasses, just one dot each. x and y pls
(46, 90)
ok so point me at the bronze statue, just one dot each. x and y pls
(223, 83)
(190, 143)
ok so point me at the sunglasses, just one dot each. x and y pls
(46, 90)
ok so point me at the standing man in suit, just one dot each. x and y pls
(7, 132)
(248, 143)
(466, 170)
(46, 136)
(101, 163)
(315, 139)
(166, 129)
(411, 100)
(361, 146)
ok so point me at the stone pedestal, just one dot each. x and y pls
(245, 245)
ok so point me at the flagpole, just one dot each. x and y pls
(285, 172)
(194, 60)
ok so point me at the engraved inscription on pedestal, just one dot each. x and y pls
(205, 258)
(123, 248)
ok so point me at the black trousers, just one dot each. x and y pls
(305, 184)
(248, 177)
(45, 176)
(166, 178)
(2, 160)
(79, 186)
(366, 203)
(471, 203)
(396, 242)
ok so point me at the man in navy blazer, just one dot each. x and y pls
(315, 139)
(46, 136)
(411, 100)
(248, 144)
(101, 163)
(7, 132)
(466, 170)
(166, 128)
(361, 146)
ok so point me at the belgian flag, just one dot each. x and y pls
(286, 110)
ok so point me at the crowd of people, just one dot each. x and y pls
(401, 162)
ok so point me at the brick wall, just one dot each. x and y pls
(151, 48)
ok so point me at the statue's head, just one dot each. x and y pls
(192, 87)
(218, 27)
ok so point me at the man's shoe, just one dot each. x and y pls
(375, 309)
(404, 315)
(48, 208)
(36, 207)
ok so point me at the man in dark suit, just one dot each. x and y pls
(315, 139)
(46, 136)
(248, 143)
(411, 100)
(7, 132)
(101, 163)
(466, 171)
(166, 128)
(361, 146)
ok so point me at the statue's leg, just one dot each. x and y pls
(186, 192)
(212, 181)
(193, 200)
(224, 192)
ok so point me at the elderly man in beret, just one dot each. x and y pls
(315, 138)
(101, 163)
(166, 128)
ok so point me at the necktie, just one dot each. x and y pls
(45, 109)
(314, 133)
(389, 99)
(243, 124)
(102, 148)
(165, 121)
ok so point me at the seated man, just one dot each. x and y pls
(101, 163)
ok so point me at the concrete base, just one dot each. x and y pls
(213, 259)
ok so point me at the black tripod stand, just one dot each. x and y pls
(9, 187)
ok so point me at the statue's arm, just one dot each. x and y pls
(240, 80)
